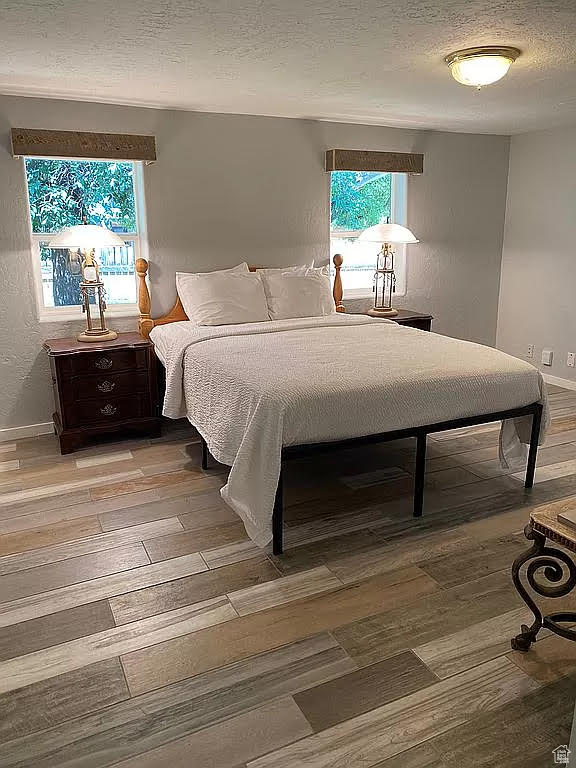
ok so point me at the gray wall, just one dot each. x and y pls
(229, 188)
(538, 288)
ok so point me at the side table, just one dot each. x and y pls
(103, 388)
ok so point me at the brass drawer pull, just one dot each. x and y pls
(106, 386)
(103, 363)
(108, 410)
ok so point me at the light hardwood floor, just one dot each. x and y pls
(139, 627)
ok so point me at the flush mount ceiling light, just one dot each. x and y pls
(482, 65)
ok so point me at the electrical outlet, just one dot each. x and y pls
(530, 351)
(547, 355)
(571, 361)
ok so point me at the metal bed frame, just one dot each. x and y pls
(177, 313)
(420, 433)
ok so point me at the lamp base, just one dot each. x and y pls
(377, 312)
(105, 335)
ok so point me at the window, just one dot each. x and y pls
(358, 200)
(60, 193)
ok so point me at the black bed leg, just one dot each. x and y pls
(204, 453)
(533, 452)
(419, 474)
(278, 519)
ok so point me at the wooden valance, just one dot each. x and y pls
(366, 160)
(104, 146)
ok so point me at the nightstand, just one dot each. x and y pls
(413, 319)
(103, 388)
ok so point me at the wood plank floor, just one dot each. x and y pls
(139, 627)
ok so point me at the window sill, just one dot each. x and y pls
(67, 314)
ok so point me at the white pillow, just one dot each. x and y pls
(180, 276)
(223, 298)
(300, 269)
(291, 294)
(325, 270)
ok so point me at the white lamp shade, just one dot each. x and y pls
(387, 233)
(481, 65)
(480, 70)
(85, 236)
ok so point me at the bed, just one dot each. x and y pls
(262, 393)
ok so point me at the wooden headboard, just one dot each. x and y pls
(147, 322)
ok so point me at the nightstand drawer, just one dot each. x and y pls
(105, 386)
(104, 362)
(107, 410)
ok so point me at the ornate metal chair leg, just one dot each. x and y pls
(527, 636)
(558, 571)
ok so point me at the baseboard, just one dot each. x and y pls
(558, 382)
(29, 430)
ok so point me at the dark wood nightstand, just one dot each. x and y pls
(103, 388)
(413, 319)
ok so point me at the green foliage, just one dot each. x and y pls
(359, 199)
(60, 191)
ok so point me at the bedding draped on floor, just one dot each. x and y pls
(251, 389)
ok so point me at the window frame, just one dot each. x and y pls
(139, 238)
(398, 215)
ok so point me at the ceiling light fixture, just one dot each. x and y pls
(482, 65)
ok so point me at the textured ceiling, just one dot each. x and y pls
(369, 61)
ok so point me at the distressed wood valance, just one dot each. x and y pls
(104, 146)
(366, 160)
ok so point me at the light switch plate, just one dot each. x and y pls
(547, 355)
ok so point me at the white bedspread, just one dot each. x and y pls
(251, 389)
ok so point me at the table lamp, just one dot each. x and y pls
(384, 276)
(87, 237)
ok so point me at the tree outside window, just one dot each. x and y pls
(358, 200)
(62, 193)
